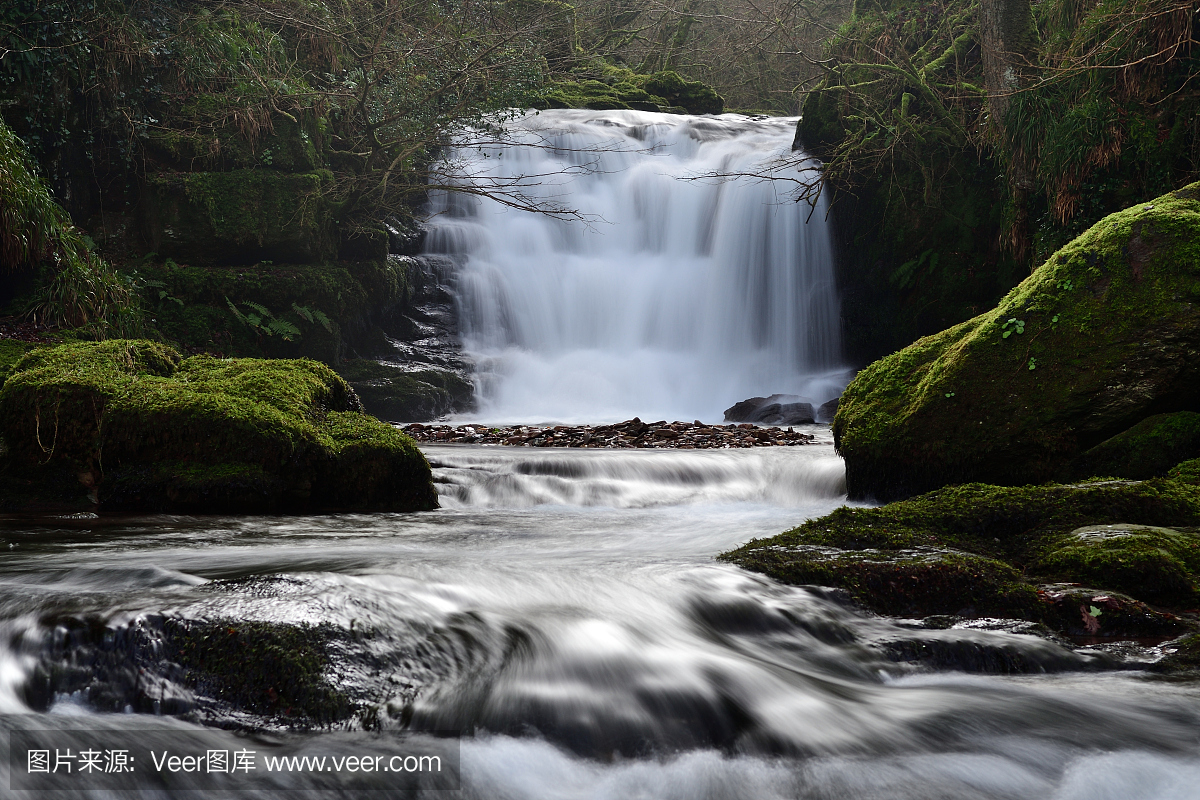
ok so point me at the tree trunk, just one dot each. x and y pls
(1009, 40)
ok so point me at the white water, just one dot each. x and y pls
(674, 299)
(564, 612)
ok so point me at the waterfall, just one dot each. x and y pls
(673, 295)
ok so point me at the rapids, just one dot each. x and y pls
(565, 613)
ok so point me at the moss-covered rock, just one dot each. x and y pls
(989, 550)
(1181, 656)
(602, 87)
(12, 351)
(1156, 564)
(918, 581)
(146, 429)
(1186, 472)
(1103, 334)
(261, 667)
(1147, 450)
(393, 393)
(239, 217)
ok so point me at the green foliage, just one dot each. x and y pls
(322, 301)
(1018, 326)
(90, 296)
(902, 127)
(260, 319)
(369, 91)
(33, 228)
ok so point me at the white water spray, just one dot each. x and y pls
(679, 297)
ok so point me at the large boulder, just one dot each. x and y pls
(144, 429)
(1101, 336)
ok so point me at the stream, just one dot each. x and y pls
(563, 613)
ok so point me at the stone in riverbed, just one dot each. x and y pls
(778, 409)
(827, 410)
(979, 550)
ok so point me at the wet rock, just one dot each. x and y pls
(738, 412)
(1027, 553)
(394, 393)
(1181, 656)
(827, 410)
(778, 409)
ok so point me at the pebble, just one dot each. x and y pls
(631, 433)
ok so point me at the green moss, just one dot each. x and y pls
(118, 412)
(12, 351)
(1156, 564)
(263, 667)
(1181, 656)
(288, 147)
(393, 393)
(240, 216)
(1107, 324)
(1186, 472)
(602, 87)
(927, 554)
(911, 582)
(1148, 449)
(1010, 523)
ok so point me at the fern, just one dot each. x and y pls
(283, 329)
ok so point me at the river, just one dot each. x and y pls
(564, 612)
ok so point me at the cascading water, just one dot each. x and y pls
(679, 292)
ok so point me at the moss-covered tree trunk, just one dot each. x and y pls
(1009, 39)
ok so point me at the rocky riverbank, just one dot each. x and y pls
(631, 433)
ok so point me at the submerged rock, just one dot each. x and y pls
(1104, 334)
(146, 430)
(1025, 553)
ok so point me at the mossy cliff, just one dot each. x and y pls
(1104, 334)
(144, 429)
(1035, 553)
